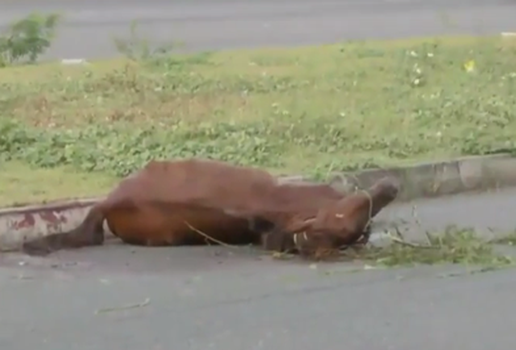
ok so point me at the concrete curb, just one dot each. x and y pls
(425, 180)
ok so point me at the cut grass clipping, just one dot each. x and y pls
(453, 246)
(459, 246)
(312, 109)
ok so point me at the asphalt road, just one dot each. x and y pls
(212, 298)
(91, 25)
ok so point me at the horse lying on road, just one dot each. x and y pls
(167, 203)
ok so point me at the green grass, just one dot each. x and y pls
(24, 184)
(310, 109)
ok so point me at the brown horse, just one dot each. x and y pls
(340, 223)
(167, 203)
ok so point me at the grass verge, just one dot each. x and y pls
(310, 109)
(23, 184)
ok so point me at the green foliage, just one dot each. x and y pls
(139, 49)
(453, 246)
(27, 39)
(97, 148)
(290, 110)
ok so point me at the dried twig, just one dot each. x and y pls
(209, 238)
(418, 222)
(9, 250)
(398, 233)
(275, 254)
(428, 237)
(406, 243)
(124, 307)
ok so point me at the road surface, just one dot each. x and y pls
(91, 25)
(209, 298)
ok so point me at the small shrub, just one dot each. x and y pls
(138, 48)
(27, 39)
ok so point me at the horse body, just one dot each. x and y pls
(167, 203)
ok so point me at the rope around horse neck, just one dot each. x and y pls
(370, 214)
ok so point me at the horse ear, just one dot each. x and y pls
(388, 185)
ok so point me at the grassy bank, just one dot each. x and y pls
(311, 109)
(23, 184)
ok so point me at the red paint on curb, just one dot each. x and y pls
(53, 217)
(19, 224)
(26, 221)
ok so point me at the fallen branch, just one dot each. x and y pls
(401, 241)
